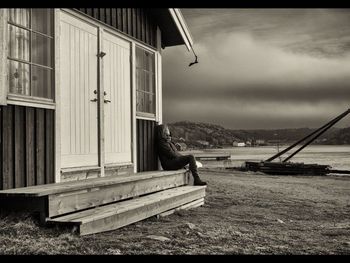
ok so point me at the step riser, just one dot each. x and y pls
(131, 216)
(77, 200)
(23, 204)
(193, 204)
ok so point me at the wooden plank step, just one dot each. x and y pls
(116, 215)
(46, 189)
(193, 204)
(62, 203)
(93, 194)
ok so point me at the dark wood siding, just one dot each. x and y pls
(135, 22)
(147, 159)
(26, 146)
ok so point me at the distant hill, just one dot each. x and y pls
(341, 136)
(193, 133)
(204, 135)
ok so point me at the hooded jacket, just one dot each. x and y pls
(166, 150)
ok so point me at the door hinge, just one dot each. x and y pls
(101, 54)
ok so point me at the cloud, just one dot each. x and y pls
(239, 114)
(252, 81)
(318, 32)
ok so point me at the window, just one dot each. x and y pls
(145, 82)
(30, 52)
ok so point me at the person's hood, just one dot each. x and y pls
(160, 131)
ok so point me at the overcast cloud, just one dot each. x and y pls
(260, 68)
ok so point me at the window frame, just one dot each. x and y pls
(142, 114)
(30, 100)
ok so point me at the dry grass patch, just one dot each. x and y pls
(244, 213)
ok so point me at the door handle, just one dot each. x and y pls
(95, 99)
(106, 101)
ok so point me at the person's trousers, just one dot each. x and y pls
(181, 162)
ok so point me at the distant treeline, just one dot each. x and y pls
(210, 135)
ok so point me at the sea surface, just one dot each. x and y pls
(337, 156)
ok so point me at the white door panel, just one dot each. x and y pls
(117, 87)
(78, 81)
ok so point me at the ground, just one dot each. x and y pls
(244, 213)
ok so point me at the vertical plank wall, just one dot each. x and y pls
(147, 159)
(135, 22)
(26, 146)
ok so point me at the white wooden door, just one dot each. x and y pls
(78, 82)
(117, 106)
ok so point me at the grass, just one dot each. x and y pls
(244, 213)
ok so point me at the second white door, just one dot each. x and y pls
(117, 99)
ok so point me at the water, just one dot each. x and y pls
(337, 156)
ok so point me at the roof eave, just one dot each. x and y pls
(182, 27)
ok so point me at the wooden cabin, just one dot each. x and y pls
(80, 96)
(81, 91)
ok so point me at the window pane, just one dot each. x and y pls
(18, 78)
(146, 59)
(145, 102)
(18, 45)
(152, 62)
(42, 20)
(139, 58)
(149, 61)
(149, 103)
(147, 82)
(19, 16)
(41, 82)
(153, 83)
(140, 79)
(41, 50)
(140, 103)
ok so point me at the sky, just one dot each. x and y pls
(260, 68)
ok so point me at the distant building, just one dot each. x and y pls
(238, 144)
(260, 142)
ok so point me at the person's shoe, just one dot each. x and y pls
(198, 181)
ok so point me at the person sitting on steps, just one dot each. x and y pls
(169, 156)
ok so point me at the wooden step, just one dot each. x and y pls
(116, 215)
(193, 204)
(55, 188)
(61, 198)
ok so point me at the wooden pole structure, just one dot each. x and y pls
(321, 130)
